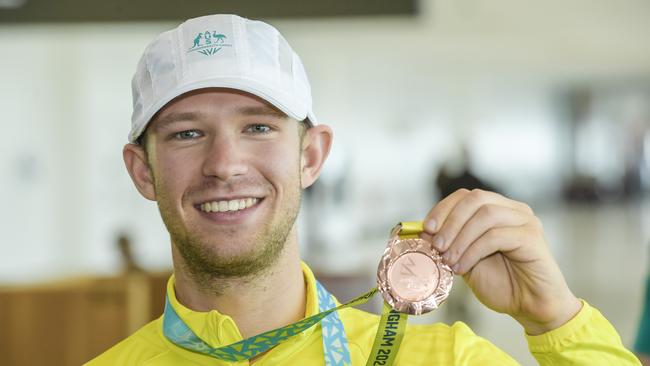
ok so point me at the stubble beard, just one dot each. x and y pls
(213, 270)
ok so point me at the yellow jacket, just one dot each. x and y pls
(587, 339)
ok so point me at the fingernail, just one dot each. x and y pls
(455, 267)
(439, 242)
(445, 257)
(431, 226)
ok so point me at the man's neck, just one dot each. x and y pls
(249, 301)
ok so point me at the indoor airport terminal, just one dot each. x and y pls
(370, 182)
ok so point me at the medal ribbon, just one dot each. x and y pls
(388, 338)
(335, 345)
(335, 342)
(180, 334)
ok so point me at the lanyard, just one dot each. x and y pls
(335, 341)
(388, 338)
(335, 345)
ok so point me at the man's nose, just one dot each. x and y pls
(224, 159)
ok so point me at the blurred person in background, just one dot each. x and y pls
(642, 343)
(125, 246)
(457, 174)
(225, 140)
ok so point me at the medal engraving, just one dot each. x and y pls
(413, 276)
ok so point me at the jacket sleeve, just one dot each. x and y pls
(587, 339)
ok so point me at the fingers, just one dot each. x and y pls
(465, 227)
(487, 217)
(501, 239)
(436, 216)
(449, 216)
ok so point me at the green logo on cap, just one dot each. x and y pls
(209, 43)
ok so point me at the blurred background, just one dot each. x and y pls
(546, 102)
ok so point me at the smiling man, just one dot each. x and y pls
(224, 139)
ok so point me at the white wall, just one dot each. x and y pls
(399, 92)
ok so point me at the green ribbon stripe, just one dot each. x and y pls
(390, 332)
(262, 342)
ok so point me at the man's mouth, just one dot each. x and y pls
(229, 205)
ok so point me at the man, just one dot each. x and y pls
(224, 140)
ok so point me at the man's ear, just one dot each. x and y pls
(316, 146)
(135, 159)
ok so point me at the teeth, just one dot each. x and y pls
(223, 206)
(232, 205)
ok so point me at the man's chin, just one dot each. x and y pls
(228, 252)
(226, 260)
(234, 267)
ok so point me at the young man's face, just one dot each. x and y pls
(225, 169)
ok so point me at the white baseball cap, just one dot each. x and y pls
(224, 51)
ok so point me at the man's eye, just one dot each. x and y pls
(186, 135)
(259, 129)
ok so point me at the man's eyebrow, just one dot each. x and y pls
(171, 118)
(262, 111)
(174, 117)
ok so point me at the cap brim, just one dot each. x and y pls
(276, 98)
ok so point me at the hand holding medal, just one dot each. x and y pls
(497, 244)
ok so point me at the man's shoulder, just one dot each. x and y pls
(140, 347)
